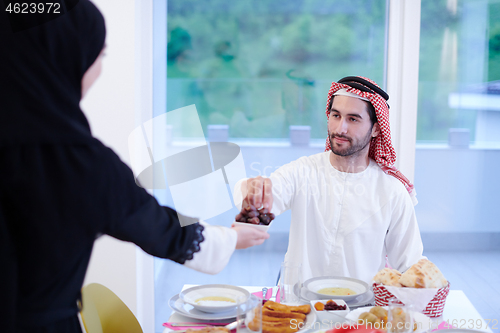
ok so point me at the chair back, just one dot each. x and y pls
(104, 312)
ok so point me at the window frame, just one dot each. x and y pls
(403, 41)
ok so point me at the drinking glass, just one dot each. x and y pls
(249, 314)
(399, 317)
(290, 282)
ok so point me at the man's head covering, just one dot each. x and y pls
(381, 149)
(42, 63)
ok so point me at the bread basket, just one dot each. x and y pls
(433, 309)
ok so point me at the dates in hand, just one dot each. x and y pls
(250, 214)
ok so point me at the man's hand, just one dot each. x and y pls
(258, 192)
(249, 236)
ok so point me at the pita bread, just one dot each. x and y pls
(424, 274)
(388, 277)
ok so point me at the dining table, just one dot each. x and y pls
(458, 312)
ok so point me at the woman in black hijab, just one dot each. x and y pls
(60, 187)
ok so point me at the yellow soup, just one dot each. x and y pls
(214, 299)
(337, 291)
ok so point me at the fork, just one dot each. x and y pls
(264, 293)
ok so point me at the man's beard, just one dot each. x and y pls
(354, 148)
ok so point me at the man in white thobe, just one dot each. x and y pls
(351, 208)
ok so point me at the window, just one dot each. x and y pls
(459, 71)
(257, 68)
(260, 67)
(458, 130)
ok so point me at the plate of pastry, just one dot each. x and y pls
(278, 317)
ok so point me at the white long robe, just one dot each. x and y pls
(344, 224)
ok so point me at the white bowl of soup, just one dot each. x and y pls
(213, 298)
(335, 287)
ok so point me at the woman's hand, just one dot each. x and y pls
(248, 236)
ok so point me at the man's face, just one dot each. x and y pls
(349, 127)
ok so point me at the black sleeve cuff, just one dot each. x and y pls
(195, 245)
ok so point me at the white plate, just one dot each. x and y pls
(193, 295)
(308, 324)
(256, 226)
(424, 323)
(315, 284)
(361, 300)
(188, 310)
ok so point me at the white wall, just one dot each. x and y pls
(110, 108)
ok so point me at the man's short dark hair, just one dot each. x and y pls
(369, 108)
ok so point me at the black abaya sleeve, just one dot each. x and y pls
(138, 218)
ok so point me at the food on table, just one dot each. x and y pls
(250, 214)
(280, 318)
(336, 291)
(377, 318)
(319, 306)
(215, 300)
(388, 277)
(330, 305)
(277, 319)
(279, 314)
(209, 329)
(277, 327)
(380, 312)
(369, 318)
(423, 274)
(305, 309)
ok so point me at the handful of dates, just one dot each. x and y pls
(250, 214)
